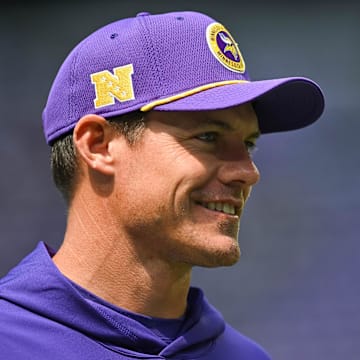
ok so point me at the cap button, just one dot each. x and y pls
(144, 13)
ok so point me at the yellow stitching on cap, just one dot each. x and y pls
(187, 93)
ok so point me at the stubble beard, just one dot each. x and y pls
(231, 255)
(229, 228)
(224, 252)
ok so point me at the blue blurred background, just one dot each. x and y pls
(296, 289)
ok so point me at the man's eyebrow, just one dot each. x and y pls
(213, 122)
(255, 135)
(224, 126)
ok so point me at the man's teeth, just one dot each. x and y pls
(223, 207)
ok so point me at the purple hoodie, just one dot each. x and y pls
(44, 316)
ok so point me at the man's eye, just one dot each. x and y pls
(251, 147)
(208, 137)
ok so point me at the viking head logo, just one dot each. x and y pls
(224, 48)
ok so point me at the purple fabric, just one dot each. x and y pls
(171, 53)
(44, 316)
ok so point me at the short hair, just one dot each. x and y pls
(64, 161)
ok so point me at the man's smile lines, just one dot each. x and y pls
(220, 206)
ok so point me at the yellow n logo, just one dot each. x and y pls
(109, 86)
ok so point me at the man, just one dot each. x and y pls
(151, 122)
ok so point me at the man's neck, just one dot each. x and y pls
(112, 269)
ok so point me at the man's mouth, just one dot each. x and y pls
(223, 207)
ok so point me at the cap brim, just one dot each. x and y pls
(280, 104)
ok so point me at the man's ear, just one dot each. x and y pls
(92, 136)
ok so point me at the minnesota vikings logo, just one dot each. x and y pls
(230, 45)
(224, 48)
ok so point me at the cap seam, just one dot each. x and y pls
(73, 81)
(158, 75)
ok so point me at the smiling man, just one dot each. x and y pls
(151, 148)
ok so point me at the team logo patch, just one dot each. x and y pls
(110, 86)
(224, 47)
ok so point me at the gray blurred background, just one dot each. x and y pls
(296, 289)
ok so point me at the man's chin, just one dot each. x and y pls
(223, 257)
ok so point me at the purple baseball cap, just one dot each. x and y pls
(179, 61)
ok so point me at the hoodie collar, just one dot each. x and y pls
(65, 303)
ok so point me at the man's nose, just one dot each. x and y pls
(239, 168)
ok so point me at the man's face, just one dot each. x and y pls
(181, 189)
